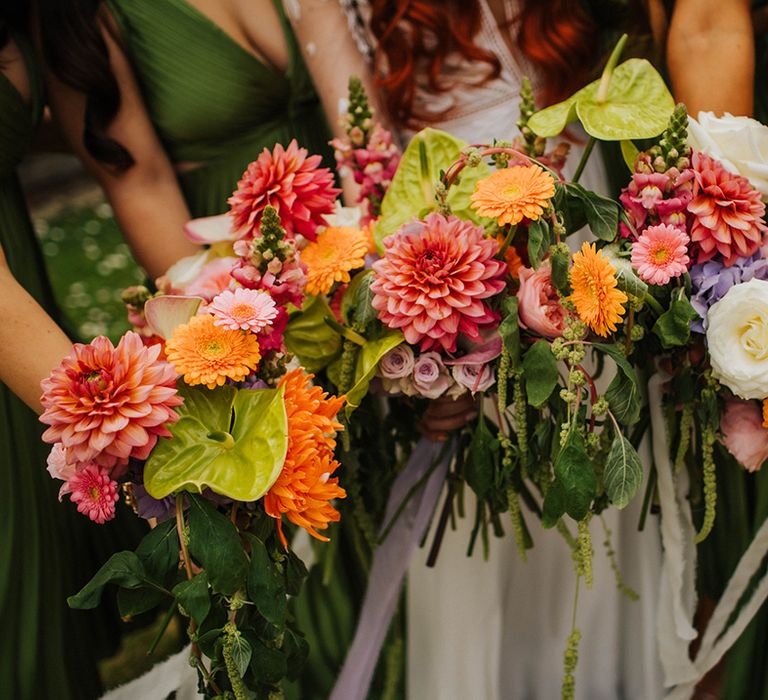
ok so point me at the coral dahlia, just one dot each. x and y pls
(208, 354)
(291, 181)
(660, 253)
(243, 309)
(94, 492)
(433, 280)
(728, 213)
(330, 258)
(107, 403)
(305, 488)
(513, 194)
(598, 302)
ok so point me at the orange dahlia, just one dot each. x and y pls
(595, 295)
(513, 194)
(205, 353)
(330, 258)
(305, 488)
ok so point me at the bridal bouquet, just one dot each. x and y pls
(210, 427)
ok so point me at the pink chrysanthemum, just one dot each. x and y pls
(243, 309)
(94, 492)
(433, 279)
(293, 183)
(107, 404)
(660, 253)
(728, 213)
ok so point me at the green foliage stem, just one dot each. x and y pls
(684, 436)
(517, 523)
(708, 439)
(583, 555)
(570, 661)
(521, 421)
(611, 554)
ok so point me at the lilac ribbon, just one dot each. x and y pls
(390, 562)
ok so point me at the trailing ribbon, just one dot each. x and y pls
(391, 560)
(675, 621)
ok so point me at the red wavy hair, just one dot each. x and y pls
(556, 36)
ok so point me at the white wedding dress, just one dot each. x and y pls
(497, 629)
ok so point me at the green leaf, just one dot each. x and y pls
(364, 313)
(623, 472)
(509, 329)
(540, 373)
(629, 152)
(673, 327)
(265, 584)
(215, 544)
(554, 504)
(601, 213)
(241, 653)
(310, 338)
(123, 569)
(367, 361)
(538, 242)
(559, 265)
(295, 573)
(623, 393)
(637, 105)
(159, 550)
(194, 597)
(241, 462)
(576, 474)
(267, 664)
(412, 193)
(480, 466)
(135, 601)
(626, 278)
(296, 651)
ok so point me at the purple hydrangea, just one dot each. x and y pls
(711, 280)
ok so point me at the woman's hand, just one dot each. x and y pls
(445, 415)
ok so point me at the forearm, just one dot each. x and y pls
(32, 342)
(711, 55)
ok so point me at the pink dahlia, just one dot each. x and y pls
(660, 253)
(243, 309)
(108, 404)
(433, 279)
(293, 183)
(728, 213)
(94, 492)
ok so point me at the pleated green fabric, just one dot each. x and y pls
(47, 549)
(211, 101)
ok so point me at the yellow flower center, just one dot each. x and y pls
(513, 191)
(242, 311)
(660, 255)
(754, 337)
(94, 493)
(212, 348)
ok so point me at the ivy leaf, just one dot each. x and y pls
(123, 568)
(623, 393)
(576, 475)
(412, 192)
(480, 467)
(673, 327)
(601, 213)
(241, 653)
(509, 329)
(538, 242)
(194, 597)
(241, 462)
(367, 361)
(265, 584)
(215, 544)
(623, 472)
(310, 338)
(540, 372)
(637, 105)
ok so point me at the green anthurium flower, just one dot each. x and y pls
(629, 101)
(233, 441)
(412, 192)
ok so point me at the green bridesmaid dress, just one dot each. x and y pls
(47, 549)
(212, 102)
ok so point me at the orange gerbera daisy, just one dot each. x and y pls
(305, 488)
(513, 194)
(208, 354)
(511, 256)
(595, 295)
(329, 259)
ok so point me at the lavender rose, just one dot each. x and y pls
(474, 377)
(430, 376)
(397, 363)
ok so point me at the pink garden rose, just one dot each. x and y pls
(743, 433)
(430, 375)
(397, 363)
(473, 377)
(540, 309)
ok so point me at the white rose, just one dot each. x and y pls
(344, 216)
(739, 143)
(738, 339)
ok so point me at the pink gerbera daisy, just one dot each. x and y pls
(728, 213)
(107, 404)
(434, 278)
(660, 254)
(94, 492)
(243, 309)
(293, 183)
